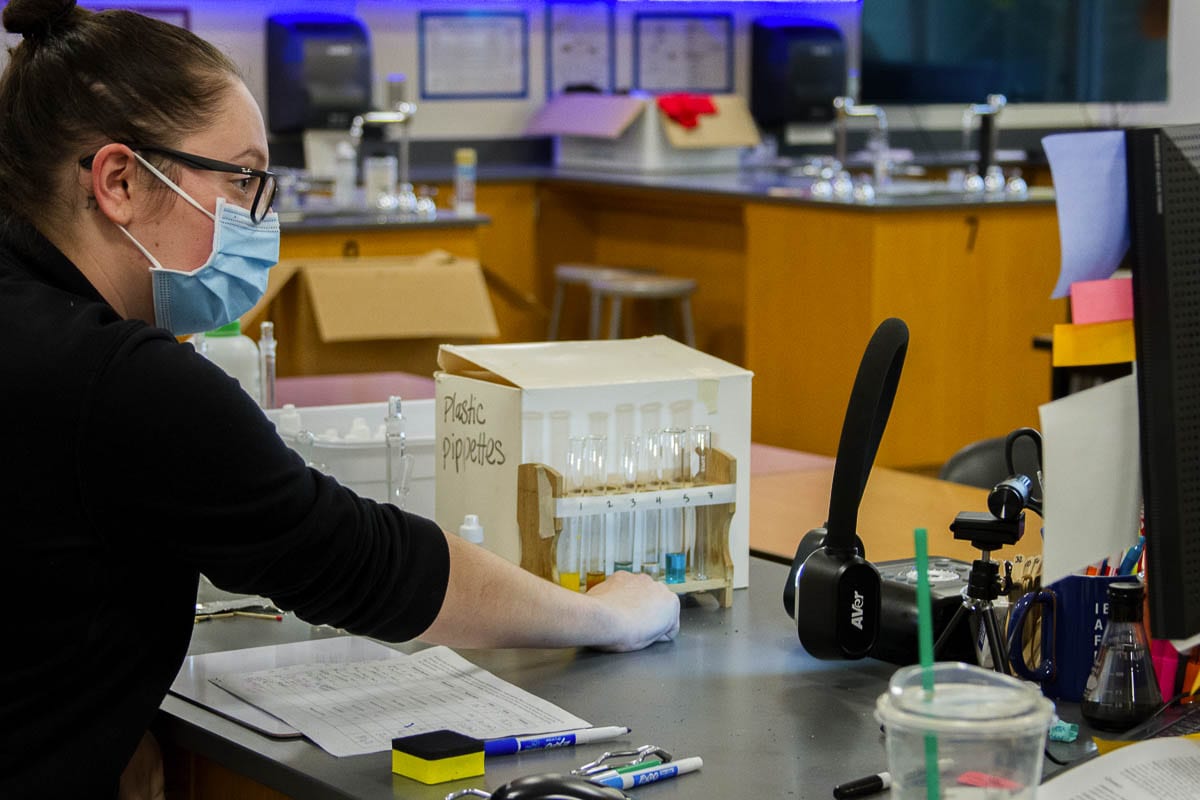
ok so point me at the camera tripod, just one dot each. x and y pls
(987, 533)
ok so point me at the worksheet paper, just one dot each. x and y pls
(1156, 769)
(355, 708)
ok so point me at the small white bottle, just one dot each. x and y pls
(237, 354)
(345, 176)
(471, 530)
(464, 182)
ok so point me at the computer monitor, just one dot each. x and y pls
(1163, 168)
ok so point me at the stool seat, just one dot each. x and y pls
(643, 287)
(649, 287)
(581, 274)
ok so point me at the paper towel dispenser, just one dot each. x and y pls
(318, 71)
(797, 67)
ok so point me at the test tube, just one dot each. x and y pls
(627, 520)
(595, 532)
(266, 365)
(674, 459)
(700, 448)
(568, 550)
(399, 463)
(651, 516)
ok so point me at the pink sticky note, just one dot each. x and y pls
(1102, 301)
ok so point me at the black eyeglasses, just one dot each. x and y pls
(260, 182)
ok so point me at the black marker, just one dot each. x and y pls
(863, 787)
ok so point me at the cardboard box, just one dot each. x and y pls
(490, 396)
(335, 315)
(595, 131)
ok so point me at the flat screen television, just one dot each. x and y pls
(1163, 179)
(1031, 51)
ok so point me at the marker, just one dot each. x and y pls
(864, 787)
(621, 770)
(546, 741)
(256, 615)
(639, 777)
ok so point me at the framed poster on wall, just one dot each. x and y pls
(473, 55)
(580, 37)
(683, 52)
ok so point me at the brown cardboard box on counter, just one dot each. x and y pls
(335, 315)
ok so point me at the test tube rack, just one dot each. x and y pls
(543, 504)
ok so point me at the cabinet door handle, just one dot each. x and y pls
(972, 232)
(350, 248)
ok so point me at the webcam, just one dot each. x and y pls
(832, 591)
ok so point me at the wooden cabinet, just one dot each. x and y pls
(972, 284)
(374, 239)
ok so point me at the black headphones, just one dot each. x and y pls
(832, 591)
(1014, 494)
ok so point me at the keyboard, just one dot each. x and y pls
(1177, 720)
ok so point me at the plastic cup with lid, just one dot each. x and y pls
(983, 733)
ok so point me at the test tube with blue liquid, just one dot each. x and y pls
(595, 537)
(674, 470)
(567, 555)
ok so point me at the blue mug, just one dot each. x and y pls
(1074, 613)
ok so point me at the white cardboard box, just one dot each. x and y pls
(490, 397)
(599, 131)
(362, 466)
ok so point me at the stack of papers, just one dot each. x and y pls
(357, 707)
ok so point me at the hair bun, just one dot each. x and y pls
(36, 19)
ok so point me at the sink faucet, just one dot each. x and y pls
(989, 127)
(400, 114)
(845, 107)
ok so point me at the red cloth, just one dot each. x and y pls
(686, 108)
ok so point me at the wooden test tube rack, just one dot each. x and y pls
(542, 504)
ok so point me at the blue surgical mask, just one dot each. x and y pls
(229, 283)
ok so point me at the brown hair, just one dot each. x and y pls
(78, 80)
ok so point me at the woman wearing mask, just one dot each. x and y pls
(134, 207)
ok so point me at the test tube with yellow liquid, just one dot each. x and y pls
(595, 482)
(567, 555)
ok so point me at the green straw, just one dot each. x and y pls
(925, 649)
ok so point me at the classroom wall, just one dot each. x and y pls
(238, 26)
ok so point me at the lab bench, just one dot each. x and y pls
(790, 287)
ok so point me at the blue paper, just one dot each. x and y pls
(1093, 219)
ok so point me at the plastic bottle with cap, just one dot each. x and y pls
(471, 530)
(464, 182)
(237, 354)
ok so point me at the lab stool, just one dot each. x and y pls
(582, 275)
(660, 288)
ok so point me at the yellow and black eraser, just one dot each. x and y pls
(437, 756)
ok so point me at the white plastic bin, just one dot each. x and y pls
(362, 466)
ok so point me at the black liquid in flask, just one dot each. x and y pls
(1122, 689)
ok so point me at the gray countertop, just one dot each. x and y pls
(735, 688)
(308, 220)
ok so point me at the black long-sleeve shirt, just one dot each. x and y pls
(128, 465)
